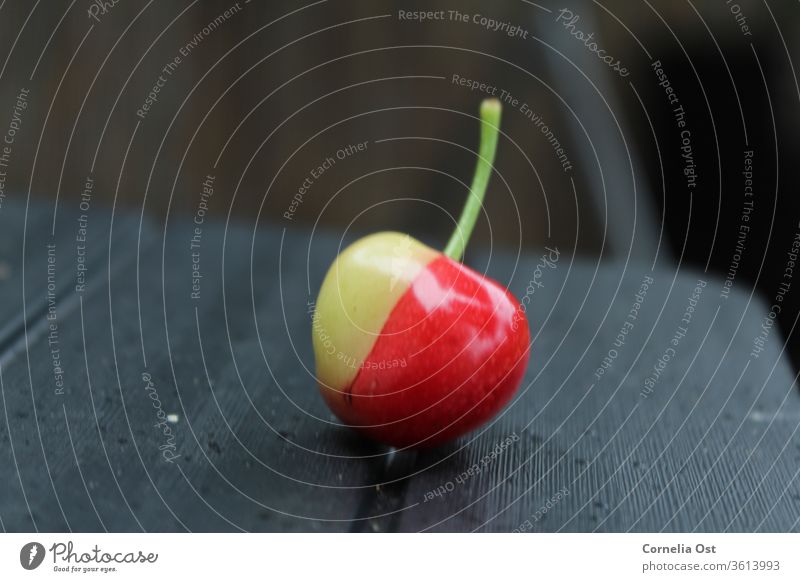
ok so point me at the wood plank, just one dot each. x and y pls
(259, 451)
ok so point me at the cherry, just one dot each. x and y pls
(412, 347)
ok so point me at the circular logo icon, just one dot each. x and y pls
(31, 555)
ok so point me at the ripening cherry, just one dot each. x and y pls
(413, 348)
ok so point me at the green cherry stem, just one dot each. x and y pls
(491, 110)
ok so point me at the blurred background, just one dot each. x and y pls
(591, 160)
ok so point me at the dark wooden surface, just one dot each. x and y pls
(713, 448)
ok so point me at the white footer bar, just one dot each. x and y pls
(388, 557)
